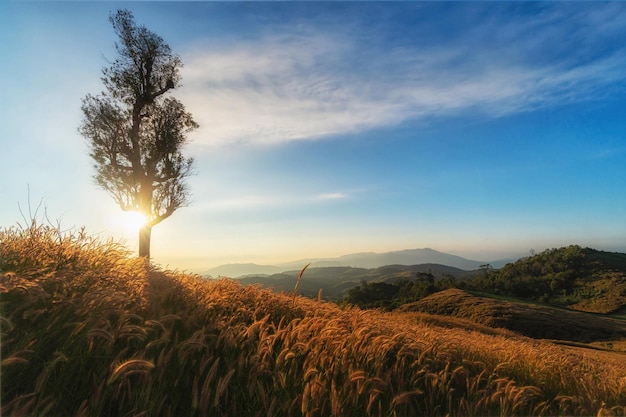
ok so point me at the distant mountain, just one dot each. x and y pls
(238, 270)
(402, 257)
(358, 260)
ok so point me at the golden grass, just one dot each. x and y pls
(295, 289)
(88, 331)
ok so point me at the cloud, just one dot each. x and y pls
(251, 202)
(332, 196)
(314, 83)
(273, 91)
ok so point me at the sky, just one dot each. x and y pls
(481, 129)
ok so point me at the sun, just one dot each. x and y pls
(131, 221)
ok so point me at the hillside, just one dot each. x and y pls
(89, 331)
(335, 282)
(578, 278)
(527, 319)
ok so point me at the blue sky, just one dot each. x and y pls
(479, 129)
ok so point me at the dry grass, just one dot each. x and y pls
(87, 331)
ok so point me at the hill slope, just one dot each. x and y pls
(124, 338)
(530, 320)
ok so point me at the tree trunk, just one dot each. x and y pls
(144, 241)
(145, 207)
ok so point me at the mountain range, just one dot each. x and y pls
(357, 260)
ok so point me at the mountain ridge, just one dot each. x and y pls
(366, 260)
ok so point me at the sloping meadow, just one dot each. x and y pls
(89, 331)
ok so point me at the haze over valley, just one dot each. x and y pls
(358, 260)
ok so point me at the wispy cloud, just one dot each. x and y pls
(332, 196)
(250, 202)
(314, 83)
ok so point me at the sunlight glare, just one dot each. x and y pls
(130, 221)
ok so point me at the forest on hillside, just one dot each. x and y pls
(579, 278)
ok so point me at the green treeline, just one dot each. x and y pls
(392, 295)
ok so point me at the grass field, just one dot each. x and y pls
(89, 331)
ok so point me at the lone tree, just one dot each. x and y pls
(135, 132)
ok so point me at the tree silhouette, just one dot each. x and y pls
(135, 132)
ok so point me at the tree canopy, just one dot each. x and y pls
(136, 132)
